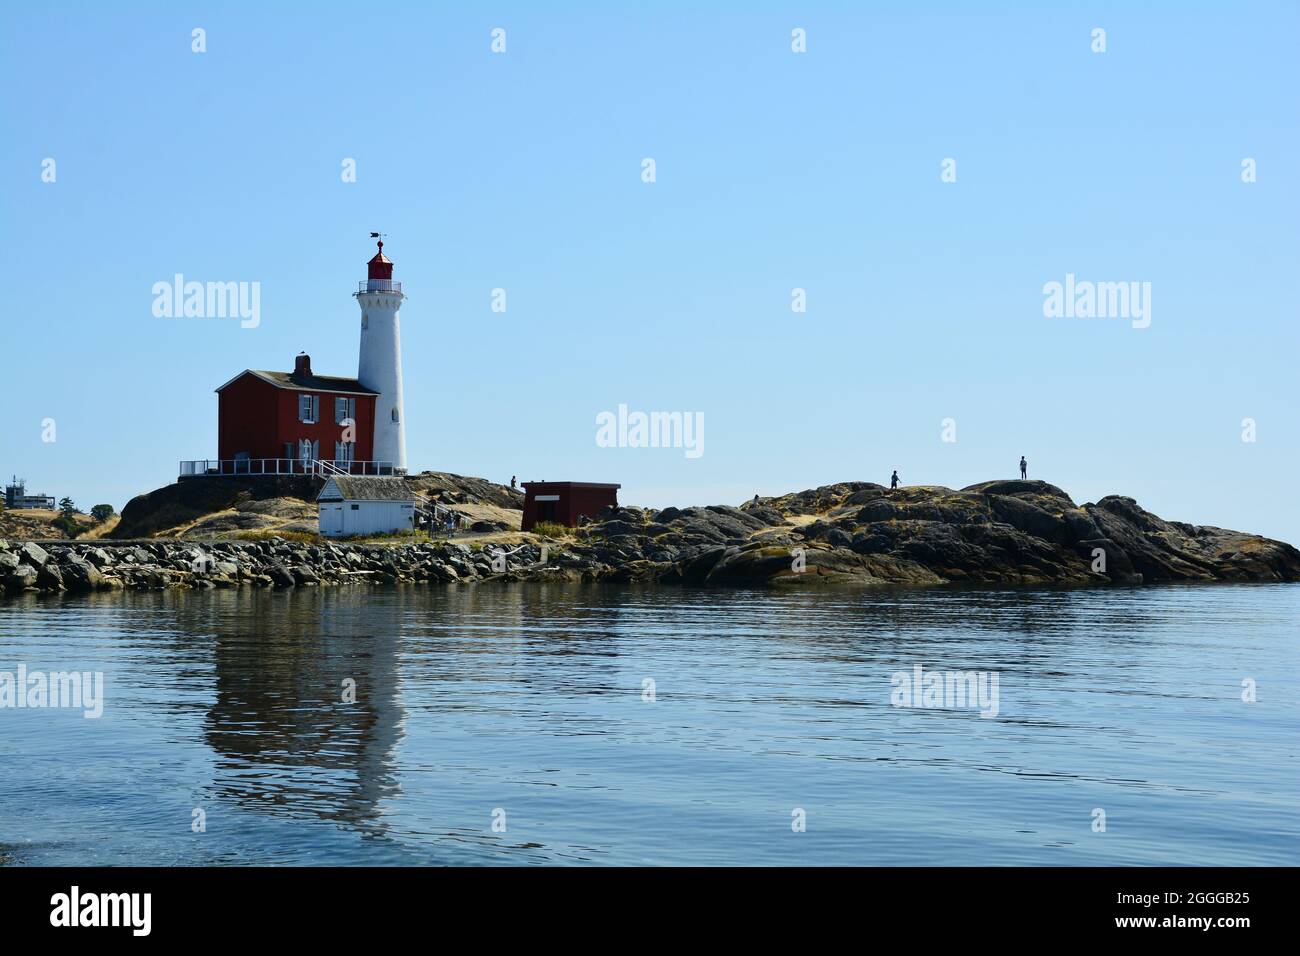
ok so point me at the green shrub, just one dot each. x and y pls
(68, 525)
(549, 529)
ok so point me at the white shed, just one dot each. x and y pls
(360, 506)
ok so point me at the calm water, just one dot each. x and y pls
(529, 700)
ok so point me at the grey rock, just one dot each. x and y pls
(49, 577)
(22, 579)
(80, 575)
(33, 554)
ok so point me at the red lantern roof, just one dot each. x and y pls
(380, 267)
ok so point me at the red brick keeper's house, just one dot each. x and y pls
(280, 422)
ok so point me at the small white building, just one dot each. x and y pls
(351, 506)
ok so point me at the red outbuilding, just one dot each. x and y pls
(278, 422)
(564, 502)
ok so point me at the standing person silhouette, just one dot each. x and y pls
(1024, 467)
(893, 480)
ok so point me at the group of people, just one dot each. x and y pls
(893, 479)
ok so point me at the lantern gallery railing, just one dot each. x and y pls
(379, 285)
(218, 468)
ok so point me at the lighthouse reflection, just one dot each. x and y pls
(308, 710)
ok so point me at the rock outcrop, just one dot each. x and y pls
(999, 532)
(219, 507)
(996, 532)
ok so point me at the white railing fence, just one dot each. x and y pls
(214, 467)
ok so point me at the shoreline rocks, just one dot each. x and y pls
(858, 533)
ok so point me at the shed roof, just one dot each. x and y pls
(355, 488)
(552, 485)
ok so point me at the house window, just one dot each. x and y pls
(308, 407)
(345, 452)
(365, 320)
(395, 413)
(345, 410)
(308, 451)
(356, 507)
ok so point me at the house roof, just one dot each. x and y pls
(305, 383)
(354, 488)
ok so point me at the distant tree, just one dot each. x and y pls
(102, 513)
(68, 508)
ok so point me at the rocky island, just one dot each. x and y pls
(858, 533)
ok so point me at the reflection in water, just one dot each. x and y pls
(288, 741)
(529, 700)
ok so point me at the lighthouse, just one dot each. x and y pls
(379, 367)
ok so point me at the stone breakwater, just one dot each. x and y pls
(275, 563)
(993, 533)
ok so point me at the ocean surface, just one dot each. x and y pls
(608, 725)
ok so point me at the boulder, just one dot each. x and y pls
(80, 575)
(33, 554)
(280, 576)
(49, 577)
(22, 579)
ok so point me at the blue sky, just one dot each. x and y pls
(774, 170)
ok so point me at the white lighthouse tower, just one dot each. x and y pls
(380, 366)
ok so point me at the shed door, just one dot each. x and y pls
(331, 519)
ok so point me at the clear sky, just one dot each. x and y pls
(775, 170)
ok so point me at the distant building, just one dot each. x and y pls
(17, 498)
(564, 502)
(300, 422)
(351, 506)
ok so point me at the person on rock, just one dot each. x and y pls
(893, 480)
(1024, 467)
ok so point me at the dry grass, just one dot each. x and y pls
(28, 523)
(266, 534)
(100, 530)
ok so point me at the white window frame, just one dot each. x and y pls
(308, 406)
(345, 409)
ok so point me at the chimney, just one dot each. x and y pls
(302, 364)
